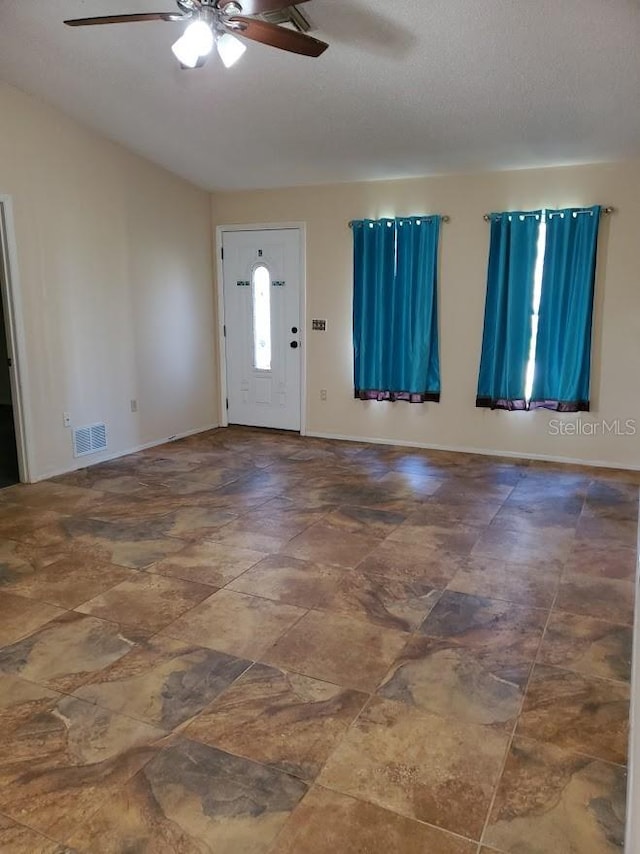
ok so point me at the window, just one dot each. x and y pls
(536, 348)
(261, 294)
(395, 318)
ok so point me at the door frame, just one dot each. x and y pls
(16, 344)
(301, 227)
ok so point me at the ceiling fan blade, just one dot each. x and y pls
(124, 19)
(258, 7)
(272, 34)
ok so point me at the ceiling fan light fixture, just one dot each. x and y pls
(184, 53)
(230, 49)
(197, 41)
(200, 36)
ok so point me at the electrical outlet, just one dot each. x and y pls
(66, 419)
(134, 405)
(323, 394)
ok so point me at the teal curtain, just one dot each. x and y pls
(508, 314)
(563, 348)
(395, 309)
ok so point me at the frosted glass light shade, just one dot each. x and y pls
(196, 41)
(230, 49)
(200, 36)
(184, 53)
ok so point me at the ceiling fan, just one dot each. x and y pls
(219, 22)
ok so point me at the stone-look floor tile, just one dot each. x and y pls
(588, 646)
(602, 559)
(18, 522)
(125, 544)
(477, 514)
(65, 583)
(143, 509)
(483, 623)
(13, 560)
(394, 604)
(18, 839)
(534, 520)
(466, 490)
(71, 757)
(278, 518)
(285, 720)
(321, 543)
(65, 652)
(603, 494)
(20, 702)
(331, 823)
(358, 492)
(118, 484)
(146, 601)
(550, 800)
(364, 520)
(288, 579)
(602, 598)
(19, 556)
(19, 617)
(194, 798)
(619, 531)
(235, 623)
(521, 546)
(524, 584)
(409, 484)
(194, 523)
(241, 538)
(338, 649)
(163, 682)
(208, 562)
(48, 495)
(422, 766)
(443, 678)
(454, 537)
(404, 562)
(576, 712)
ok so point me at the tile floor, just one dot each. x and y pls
(248, 642)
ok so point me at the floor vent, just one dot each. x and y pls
(89, 440)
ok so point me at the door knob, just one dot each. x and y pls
(294, 345)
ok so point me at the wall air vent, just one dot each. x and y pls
(289, 15)
(89, 440)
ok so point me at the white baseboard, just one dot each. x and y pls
(485, 452)
(85, 463)
(632, 836)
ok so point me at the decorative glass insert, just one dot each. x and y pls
(261, 292)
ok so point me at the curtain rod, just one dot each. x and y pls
(443, 218)
(604, 210)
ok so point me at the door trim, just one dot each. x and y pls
(12, 303)
(222, 353)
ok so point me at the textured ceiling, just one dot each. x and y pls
(407, 88)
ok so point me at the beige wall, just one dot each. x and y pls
(115, 275)
(455, 422)
(115, 269)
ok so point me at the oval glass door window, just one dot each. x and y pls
(261, 292)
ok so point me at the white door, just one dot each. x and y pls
(262, 279)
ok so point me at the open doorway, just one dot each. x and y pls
(9, 473)
(12, 448)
